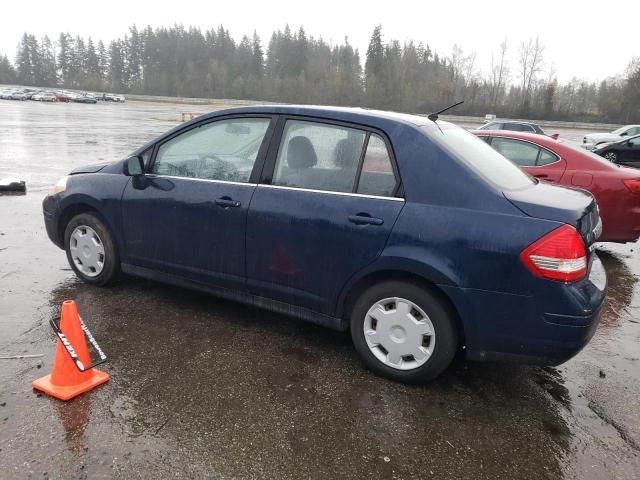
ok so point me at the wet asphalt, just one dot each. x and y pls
(203, 387)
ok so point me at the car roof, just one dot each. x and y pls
(533, 137)
(334, 113)
(624, 139)
(503, 120)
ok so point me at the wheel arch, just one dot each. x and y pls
(76, 208)
(414, 275)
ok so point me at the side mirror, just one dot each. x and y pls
(624, 134)
(135, 166)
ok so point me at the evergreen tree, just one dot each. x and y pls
(48, 70)
(7, 72)
(65, 57)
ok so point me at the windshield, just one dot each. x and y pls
(619, 131)
(483, 159)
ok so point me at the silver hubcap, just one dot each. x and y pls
(610, 156)
(399, 333)
(87, 250)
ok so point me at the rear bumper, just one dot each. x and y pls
(547, 328)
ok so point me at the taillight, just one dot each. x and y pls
(559, 255)
(633, 185)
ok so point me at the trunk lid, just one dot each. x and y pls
(574, 207)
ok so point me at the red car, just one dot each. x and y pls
(615, 188)
(62, 97)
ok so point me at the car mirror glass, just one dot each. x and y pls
(135, 166)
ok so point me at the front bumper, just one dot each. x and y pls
(547, 328)
(50, 212)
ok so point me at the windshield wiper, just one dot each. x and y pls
(434, 116)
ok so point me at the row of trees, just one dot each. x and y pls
(296, 67)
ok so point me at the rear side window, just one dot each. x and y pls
(518, 127)
(524, 154)
(318, 156)
(482, 158)
(520, 153)
(377, 177)
(222, 150)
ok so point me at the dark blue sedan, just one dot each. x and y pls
(411, 232)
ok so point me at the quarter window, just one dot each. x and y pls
(223, 150)
(377, 177)
(318, 156)
(545, 158)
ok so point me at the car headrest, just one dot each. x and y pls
(300, 153)
(346, 154)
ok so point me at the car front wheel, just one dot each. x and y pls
(91, 250)
(611, 156)
(404, 332)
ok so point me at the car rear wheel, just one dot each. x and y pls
(611, 156)
(404, 332)
(90, 250)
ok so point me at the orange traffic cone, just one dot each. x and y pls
(65, 380)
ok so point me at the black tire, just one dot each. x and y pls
(611, 155)
(440, 315)
(111, 264)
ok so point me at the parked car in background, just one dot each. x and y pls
(17, 95)
(616, 189)
(63, 97)
(84, 99)
(515, 126)
(623, 152)
(289, 208)
(45, 97)
(593, 140)
(110, 97)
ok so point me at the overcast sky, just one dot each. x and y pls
(587, 39)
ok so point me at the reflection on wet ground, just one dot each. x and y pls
(205, 387)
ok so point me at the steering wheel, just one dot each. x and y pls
(222, 169)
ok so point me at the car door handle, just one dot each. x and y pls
(226, 202)
(365, 219)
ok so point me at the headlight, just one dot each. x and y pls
(59, 187)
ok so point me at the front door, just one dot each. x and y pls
(326, 213)
(630, 153)
(187, 216)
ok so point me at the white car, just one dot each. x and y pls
(593, 140)
(44, 97)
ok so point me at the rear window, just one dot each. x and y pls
(482, 158)
(588, 153)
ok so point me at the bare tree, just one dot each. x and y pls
(499, 74)
(531, 62)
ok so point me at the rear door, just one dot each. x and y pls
(533, 159)
(188, 214)
(324, 211)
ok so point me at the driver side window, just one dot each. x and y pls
(223, 150)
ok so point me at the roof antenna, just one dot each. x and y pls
(434, 116)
